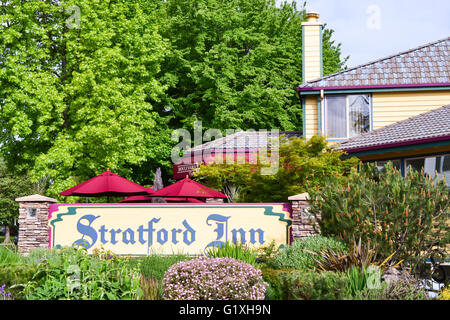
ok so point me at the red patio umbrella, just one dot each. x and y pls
(148, 199)
(187, 188)
(106, 184)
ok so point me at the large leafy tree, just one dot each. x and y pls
(236, 64)
(12, 185)
(93, 84)
(77, 79)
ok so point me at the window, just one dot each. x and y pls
(381, 164)
(438, 166)
(347, 116)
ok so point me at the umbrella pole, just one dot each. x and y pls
(87, 200)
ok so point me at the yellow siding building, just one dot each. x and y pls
(349, 106)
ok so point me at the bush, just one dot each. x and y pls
(274, 290)
(14, 276)
(70, 273)
(300, 285)
(406, 215)
(296, 256)
(237, 251)
(213, 279)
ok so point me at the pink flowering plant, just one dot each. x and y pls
(213, 279)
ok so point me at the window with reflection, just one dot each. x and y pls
(347, 116)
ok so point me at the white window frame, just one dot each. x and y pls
(347, 115)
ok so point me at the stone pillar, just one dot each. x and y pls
(33, 222)
(302, 221)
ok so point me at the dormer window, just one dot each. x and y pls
(347, 116)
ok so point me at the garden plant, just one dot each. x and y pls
(407, 216)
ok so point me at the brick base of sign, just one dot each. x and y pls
(33, 222)
(302, 222)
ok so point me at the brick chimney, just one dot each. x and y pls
(312, 47)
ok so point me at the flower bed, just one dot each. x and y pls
(214, 279)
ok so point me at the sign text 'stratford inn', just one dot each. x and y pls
(166, 229)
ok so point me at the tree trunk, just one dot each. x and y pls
(7, 235)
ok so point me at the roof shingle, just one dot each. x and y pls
(432, 125)
(428, 64)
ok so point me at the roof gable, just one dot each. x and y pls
(427, 64)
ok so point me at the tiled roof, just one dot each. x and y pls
(242, 140)
(428, 64)
(426, 127)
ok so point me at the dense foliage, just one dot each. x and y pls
(300, 255)
(301, 285)
(87, 85)
(12, 185)
(301, 163)
(237, 63)
(407, 216)
(71, 273)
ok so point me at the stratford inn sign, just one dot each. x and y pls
(142, 229)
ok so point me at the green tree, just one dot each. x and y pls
(301, 163)
(236, 64)
(77, 81)
(12, 186)
(403, 215)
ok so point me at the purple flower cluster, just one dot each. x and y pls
(213, 279)
(3, 294)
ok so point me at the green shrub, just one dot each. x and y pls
(155, 266)
(71, 273)
(274, 290)
(407, 215)
(296, 256)
(237, 251)
(13, 276)
(309, 285)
